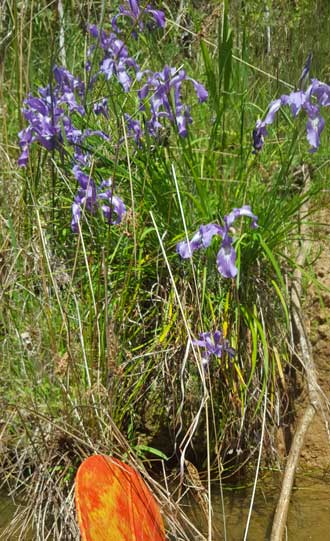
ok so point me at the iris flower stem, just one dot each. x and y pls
(132, 193)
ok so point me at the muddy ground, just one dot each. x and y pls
(316, 451)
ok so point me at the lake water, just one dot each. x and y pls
(308, 520)
(7, 509)
(309, 511)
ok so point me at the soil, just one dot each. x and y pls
(315, 454)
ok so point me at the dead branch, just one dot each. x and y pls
(306, 355)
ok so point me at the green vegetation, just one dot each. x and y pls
(97, 326)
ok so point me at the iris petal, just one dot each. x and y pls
(226, 260)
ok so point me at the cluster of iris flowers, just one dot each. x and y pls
(54, 114)
(160, 97)
(136, 15)
(90, 197)
(161, 93)
(51, 120)
(310, 101)
(49, 115)
(226, 258)
(214, 344)
(115, 62)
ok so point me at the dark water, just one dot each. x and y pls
(308, 520)
(7, 509)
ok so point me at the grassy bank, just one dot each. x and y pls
(99, 319)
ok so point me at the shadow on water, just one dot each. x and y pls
(309, 513)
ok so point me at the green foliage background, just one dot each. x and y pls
(94, 328)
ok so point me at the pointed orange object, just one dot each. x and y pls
(114, 504)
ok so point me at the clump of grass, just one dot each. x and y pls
(99, 326)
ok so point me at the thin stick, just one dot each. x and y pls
(280, 518)
(62, 51)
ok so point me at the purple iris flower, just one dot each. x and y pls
(67, 88)
(136, 14)
(44, 124)
(296, 101)
(67, 81)
(213, 344)
(134, 128)
(201, 92)
(111, 204)
(83, 179)
(48, 114)
(101, 108)
(186, 249)
(116, 61)
(90, 198)
(321, 91)
(310, 101)
(314, 126)
(260, 131)
(207, 233)
(162, 95)
(226, 258)
(50, 119)
(25, 139)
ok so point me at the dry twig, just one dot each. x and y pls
(279, 522)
